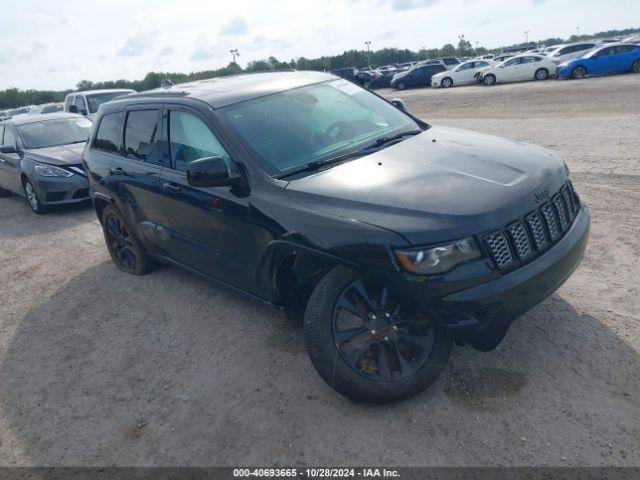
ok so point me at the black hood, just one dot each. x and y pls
(440, 185)
(60, 155)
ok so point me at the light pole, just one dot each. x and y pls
(368, 44)
(578, 30)
(526, 37)
(234, 52)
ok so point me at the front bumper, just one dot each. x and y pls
(61, 190)
(481, 314)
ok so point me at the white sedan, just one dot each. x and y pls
(520, 68)
(463, 74)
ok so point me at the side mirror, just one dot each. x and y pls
(399, 104)
(211, 172)
(73, 109)
(8, 149)
(83, 112)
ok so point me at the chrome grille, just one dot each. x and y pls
(519, 241)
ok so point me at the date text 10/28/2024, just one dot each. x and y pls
(316, 473)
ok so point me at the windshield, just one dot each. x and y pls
(290, 129)
(51, 133)
(98, 99)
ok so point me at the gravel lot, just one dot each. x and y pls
(101, 368)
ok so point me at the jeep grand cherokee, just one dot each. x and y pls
(393, 237)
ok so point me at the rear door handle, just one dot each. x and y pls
(117, 171)
(171, 188)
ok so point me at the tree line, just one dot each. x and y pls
(14, 97)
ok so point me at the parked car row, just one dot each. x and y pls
(41, 149)
(561, 61)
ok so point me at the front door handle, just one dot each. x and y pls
(117, 171)
(171, 188)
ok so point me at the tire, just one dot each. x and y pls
(378, 370)
(367, 85)
(489, 79)
(446, 82)
(579, 72)
(125, 249)
(401, 85)
(541, 74)
(4, 193)
(635, 68)
(33, 198)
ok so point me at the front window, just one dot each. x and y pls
(97, 99)
(51, 133)
(290, 129)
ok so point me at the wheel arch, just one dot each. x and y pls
(287, 270)
(99, 204)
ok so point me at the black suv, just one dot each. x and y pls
(392, 236)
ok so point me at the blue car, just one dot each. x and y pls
(604, 60)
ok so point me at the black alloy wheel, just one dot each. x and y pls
(367, 344)
(125, 249)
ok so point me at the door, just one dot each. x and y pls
(528, 67)
(464, 73)
(625, 56)
(210, 227)
(603, 61)
(509, 71)
(9, 162)
(134, 176)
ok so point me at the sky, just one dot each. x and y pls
(53, 44)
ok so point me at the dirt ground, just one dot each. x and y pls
(101, 368)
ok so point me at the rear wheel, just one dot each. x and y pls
(635, 68)
(124, 247)
(489, 79)
(579, 72)
(33, 198)
(446, 82)
(401, 85)
(541, 74)
(367, 344)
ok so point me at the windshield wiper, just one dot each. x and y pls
(375, 146)
(316, 164)
(385, 140)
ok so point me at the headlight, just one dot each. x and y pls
(438, 259)
(51, 171)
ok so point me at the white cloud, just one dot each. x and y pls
(124, 39)
(234, 26)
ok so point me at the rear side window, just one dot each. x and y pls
(108, 138)
(451, 61)
(141, 140)
(191, 139)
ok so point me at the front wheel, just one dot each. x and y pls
(541, 74)
(124, 247)
(401, 85)
(367, 344)
(635, 68)
(33, 198)
(579, 72)
(489, 79)
(446, 82)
